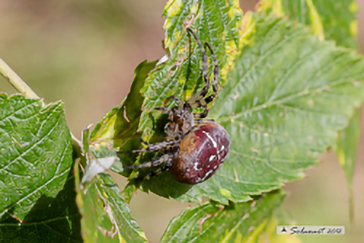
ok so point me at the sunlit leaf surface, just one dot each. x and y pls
(234, 223)
(285, 100)
(337, 20)
(35, 161)
(105, 216)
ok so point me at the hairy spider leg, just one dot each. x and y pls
(172, 97)
(162, 169)
(157, 172)
(214, 86)
(143, 141)
(154, 147)
(216, 75)
(194, 101)
(162, 108)
(167, 159)
(199, 121)
(178, 100)
(201, 115)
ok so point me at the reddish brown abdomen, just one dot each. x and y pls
(202, 151)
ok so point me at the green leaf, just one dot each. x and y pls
(36, 187)
(118, 129)
(339, 23)
(282, 102)
(215, 22)
(329, 19)
(105, 216)
(50, 220)
(346, 150)
(283, 105)
(122, 126)
(120, 123)
(266, 232)
(233, 223)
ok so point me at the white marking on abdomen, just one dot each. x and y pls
(212, 140)
(207, 174)
(195, 165)
(221, 150)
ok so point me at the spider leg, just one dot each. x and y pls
(143, 141)
(203, 120)
(216, 75)
(163, 159)
(165, 109)
(160, 170)
(195, 100)
(162, 108)
(202, 102)
(201, 115)
(157, 172)
(178, 100)
(154, 147)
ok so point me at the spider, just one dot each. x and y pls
(195, 147)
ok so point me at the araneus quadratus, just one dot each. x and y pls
(192, 152)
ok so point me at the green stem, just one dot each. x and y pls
(23, 88)
(351, 202)
(16, 81)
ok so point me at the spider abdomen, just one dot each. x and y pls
(201, 152)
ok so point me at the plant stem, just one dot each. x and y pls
(16, 81)
(23, 88)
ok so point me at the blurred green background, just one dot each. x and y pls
(84, 52)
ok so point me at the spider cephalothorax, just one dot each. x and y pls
(195, 148)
